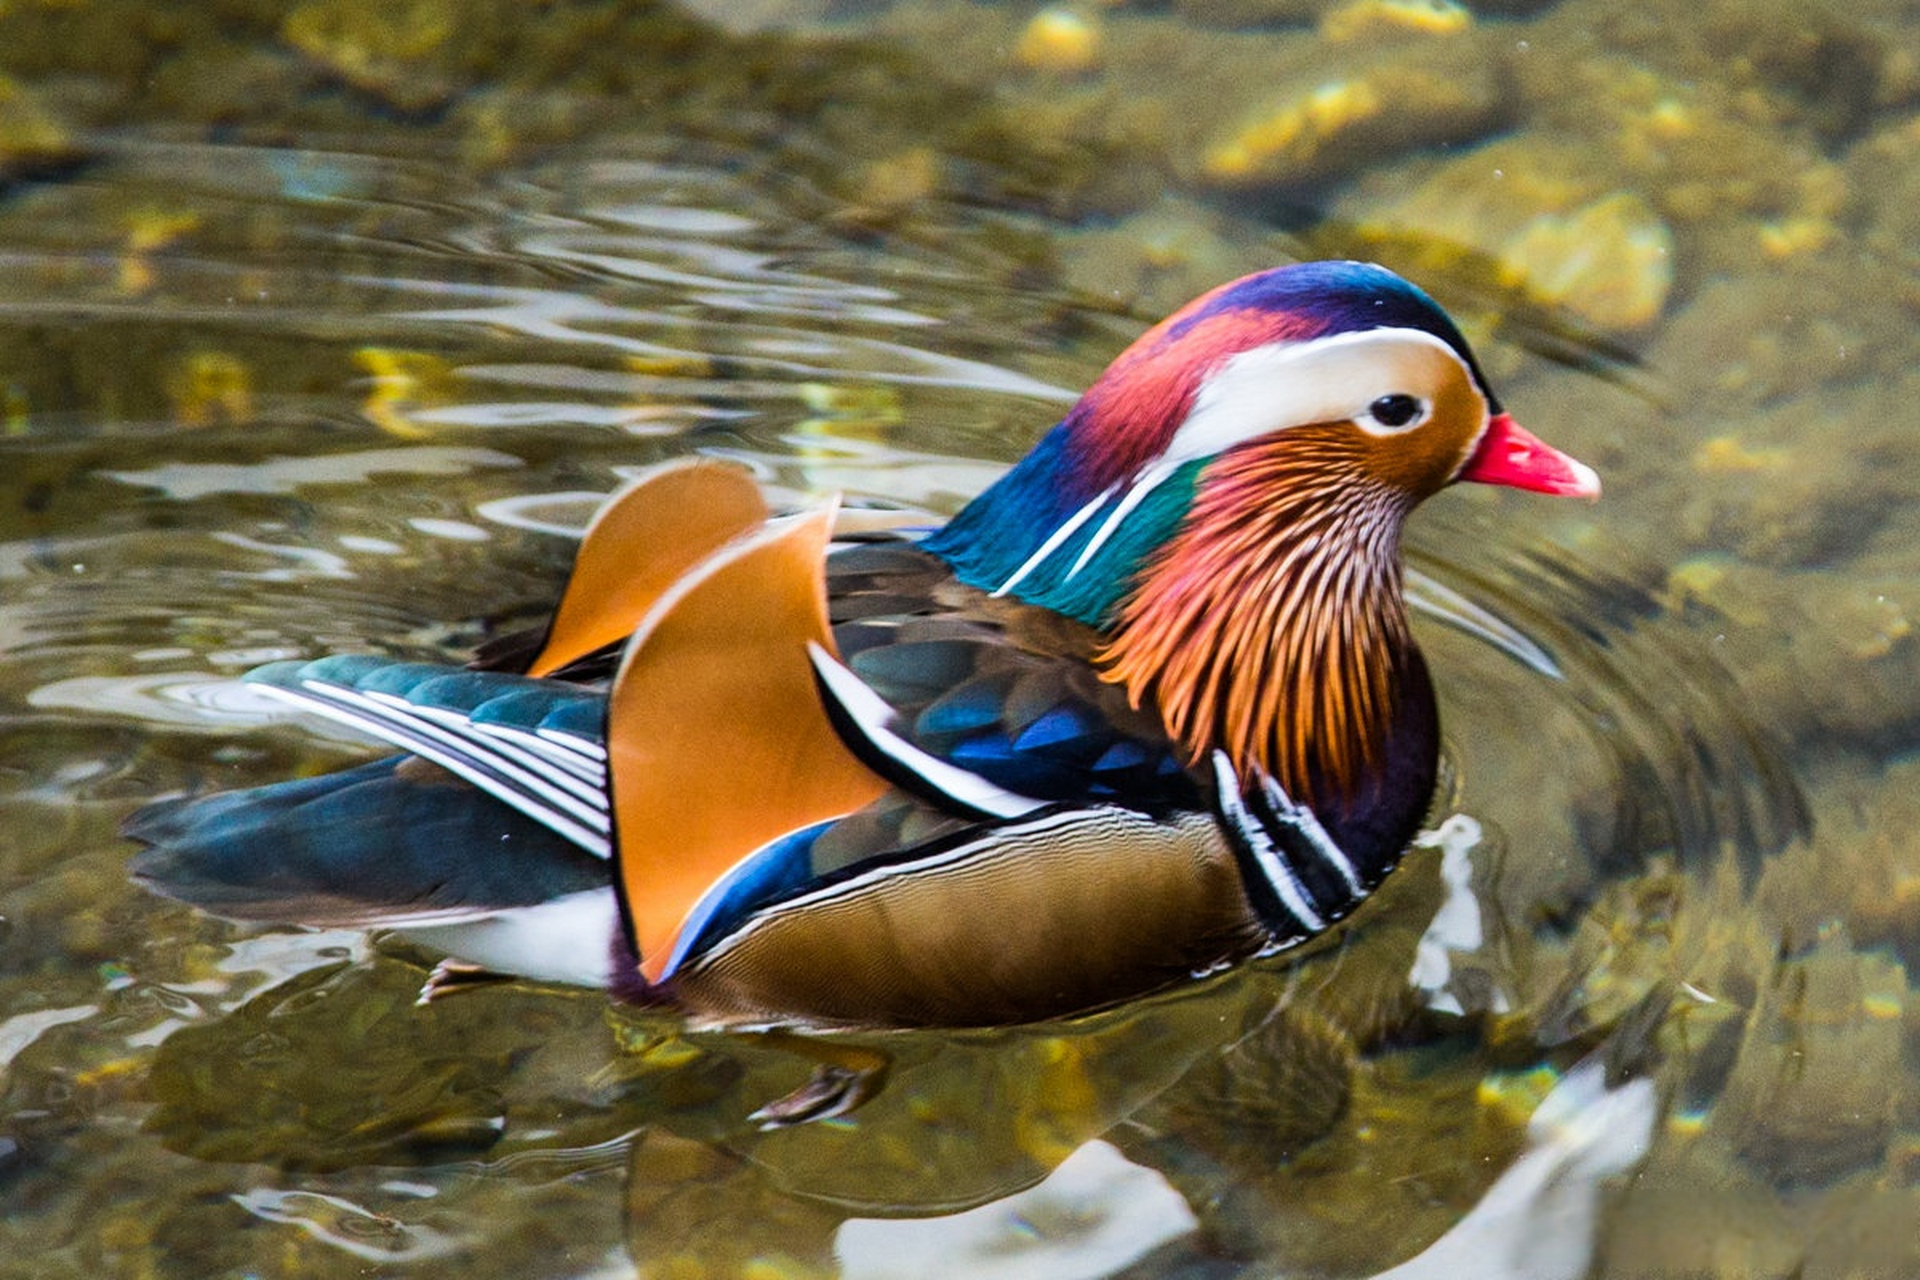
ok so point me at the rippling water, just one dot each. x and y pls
(272, 398)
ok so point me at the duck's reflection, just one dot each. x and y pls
(995, 1155)
(1106, 1210)
(1095, 1214)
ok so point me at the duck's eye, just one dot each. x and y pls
(1396, 410)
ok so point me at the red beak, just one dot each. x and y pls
(1509, 454)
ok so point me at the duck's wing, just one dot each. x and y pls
(1060, 911)
(986, 708)
(537, 746)
(389, 843)
(413, 841)
(711, 743)
(717, 740)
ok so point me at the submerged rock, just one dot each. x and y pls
(1059, 40)
(31, 139)
(1791, 390)
(1609, 262)
(1821, 1076)
(1154, 261)
(1870, 861)
(1376, 19)
(1715, 164)
(1819, 66)
(1420, 94)
(889, 190)
(1831, 655)
(391, 50)
(1548, 228)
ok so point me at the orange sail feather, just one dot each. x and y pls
(716, 738)
(642, 541)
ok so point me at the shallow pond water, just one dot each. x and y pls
(323, 325)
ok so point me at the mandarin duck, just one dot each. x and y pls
(1147, 707)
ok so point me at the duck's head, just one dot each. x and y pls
(1351, 374)
(1225, 502)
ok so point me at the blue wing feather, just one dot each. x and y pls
(381, 843)
(521, 700)
(442, 714)
(1002, 690)
(972, 706)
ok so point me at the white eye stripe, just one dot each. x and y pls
(1323, 380)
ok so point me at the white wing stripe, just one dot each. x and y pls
(573, 764)
(586, 748)
(514, 744)
(512, 762)
(1054, 540)
(1307, 823)
(411, 734)
(1286, 886)
(870, 713)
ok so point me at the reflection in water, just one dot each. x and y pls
(1090, 1217)
(22, 1029)
(377, 1237)
(174, 698)
(1540, 1219)
(744, 322)
(1066, 1152)
(1456, 926)
(1435, 599)
(1098, 1212)
(185, 481)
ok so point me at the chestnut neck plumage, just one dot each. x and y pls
(1272, 625)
